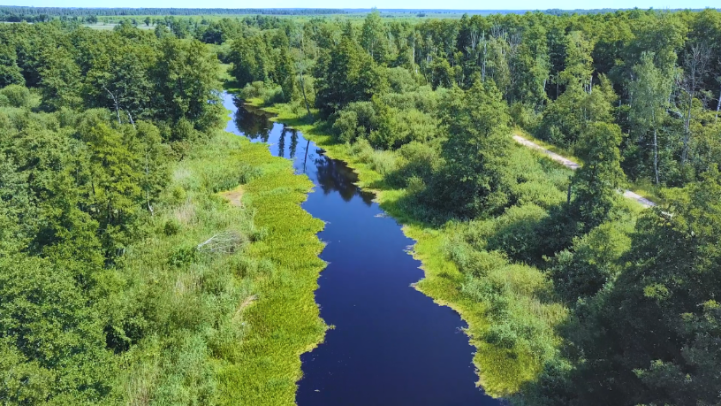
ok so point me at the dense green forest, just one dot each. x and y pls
(574, 295)
(126, 278)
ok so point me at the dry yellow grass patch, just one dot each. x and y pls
(234, 197)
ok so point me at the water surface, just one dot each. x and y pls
(390, 345)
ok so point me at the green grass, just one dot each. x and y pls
(286, 315)
(231, 319)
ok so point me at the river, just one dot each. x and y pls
(390, 345)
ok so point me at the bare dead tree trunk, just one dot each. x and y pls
(718, 105)
(696, 63)
(302, 80)
(483, 68)
(130, 118)
(655, 147)
(115, 101)
(687, 131)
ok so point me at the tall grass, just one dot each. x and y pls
(225, 291)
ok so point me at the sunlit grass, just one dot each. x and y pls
(229, 285)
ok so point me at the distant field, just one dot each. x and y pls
(405, 16)
(101, 25)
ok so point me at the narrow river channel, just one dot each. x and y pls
(390, 345)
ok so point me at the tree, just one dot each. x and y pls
(116, 176)
(345, 75)
(59, 79)
(595, 185)
(53, 341)
(250, 59)
(532, 68)
(10, 72)
(187, 82)
(285, 74)
(650, 93)
(373, 37)
(656, 333)
(473, 180)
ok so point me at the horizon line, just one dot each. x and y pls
(358, 8)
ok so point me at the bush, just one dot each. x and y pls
(357, 120)
(172, 227)
(346, 126)
(523, 116)
(383, 162)
(15, 96)
(183, 256)
(400, 80)
(184, 131)
(517, 233)
(259, 90)
(417, 160)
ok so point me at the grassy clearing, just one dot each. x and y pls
(503, 368)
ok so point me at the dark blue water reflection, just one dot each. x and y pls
(391, 344)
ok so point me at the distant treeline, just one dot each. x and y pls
(38, 14)
(42, 14)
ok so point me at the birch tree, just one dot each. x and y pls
(650, 98)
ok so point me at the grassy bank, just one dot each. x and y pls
(234, 297)
(503, 368)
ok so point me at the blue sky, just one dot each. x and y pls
(413, 4)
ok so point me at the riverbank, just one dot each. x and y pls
(501, 371)
(231, 277)
(285, 320)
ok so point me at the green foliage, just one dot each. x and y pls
(593, 262)
(188, 73)
(250, 60)
(53, 338)
(570, 300)
(10, 72)
(473, 178)
(16, 96)
(125, 277)
(346, 74)
(595, 185)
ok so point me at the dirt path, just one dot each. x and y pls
(573, 165)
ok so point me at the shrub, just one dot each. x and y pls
(400, 80)
(15, 96)
(415, 159)
(346, 126)
(171, 227)
(517, 233)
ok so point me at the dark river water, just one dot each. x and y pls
(390, 345)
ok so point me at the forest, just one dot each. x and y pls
(119, 253)
(125, 275)
(574, 295)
